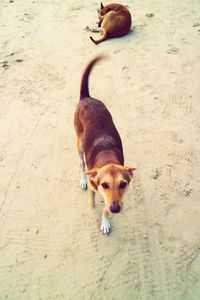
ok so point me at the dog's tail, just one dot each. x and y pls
(84, 82)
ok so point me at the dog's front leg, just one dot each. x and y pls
(91, 198)
(99, 30)
(100, 21)
(105, 224)
(83, 181)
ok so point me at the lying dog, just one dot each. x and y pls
(100, 149)
(115, 21)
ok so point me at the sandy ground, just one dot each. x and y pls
(50, 243)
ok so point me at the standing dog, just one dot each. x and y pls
(100, 149)
(115, 20)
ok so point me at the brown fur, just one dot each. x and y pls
(99, 142)
(115, 21)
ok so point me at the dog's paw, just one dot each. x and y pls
(83, 182)
(105, 226)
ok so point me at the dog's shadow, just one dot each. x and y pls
(127, 39)
(135, 32)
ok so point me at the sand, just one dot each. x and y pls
(50, 243)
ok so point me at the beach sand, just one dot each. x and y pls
(50, 243)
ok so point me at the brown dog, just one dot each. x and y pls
(115, 20)
(100, 149)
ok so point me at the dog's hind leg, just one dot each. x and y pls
(96, 30)
(80, 132)
(103, 38)
(83, 180)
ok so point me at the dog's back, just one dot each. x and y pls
(94, 123)
(118, 21)
(115, 20)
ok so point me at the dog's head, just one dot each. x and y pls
(111, 181)
(103, 9)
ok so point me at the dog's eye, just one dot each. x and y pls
(122, 185)
(105, 185)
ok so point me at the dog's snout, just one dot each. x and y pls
(115, 208)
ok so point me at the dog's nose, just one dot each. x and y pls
(115, 208)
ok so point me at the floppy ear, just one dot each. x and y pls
(92, 177)
(92, 173)
(102, 5)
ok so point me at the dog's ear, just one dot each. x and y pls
(102, 5)
(92, 174)
(129, 172)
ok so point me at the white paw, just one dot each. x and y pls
(83, 182)
(105, 226)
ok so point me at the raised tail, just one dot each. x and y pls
(84, 82)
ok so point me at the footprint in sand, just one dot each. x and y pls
(19, 60)
(156, 174)
(6, 64)
(173, 50)
(187, 190)
(196, 24)
(150, 15)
